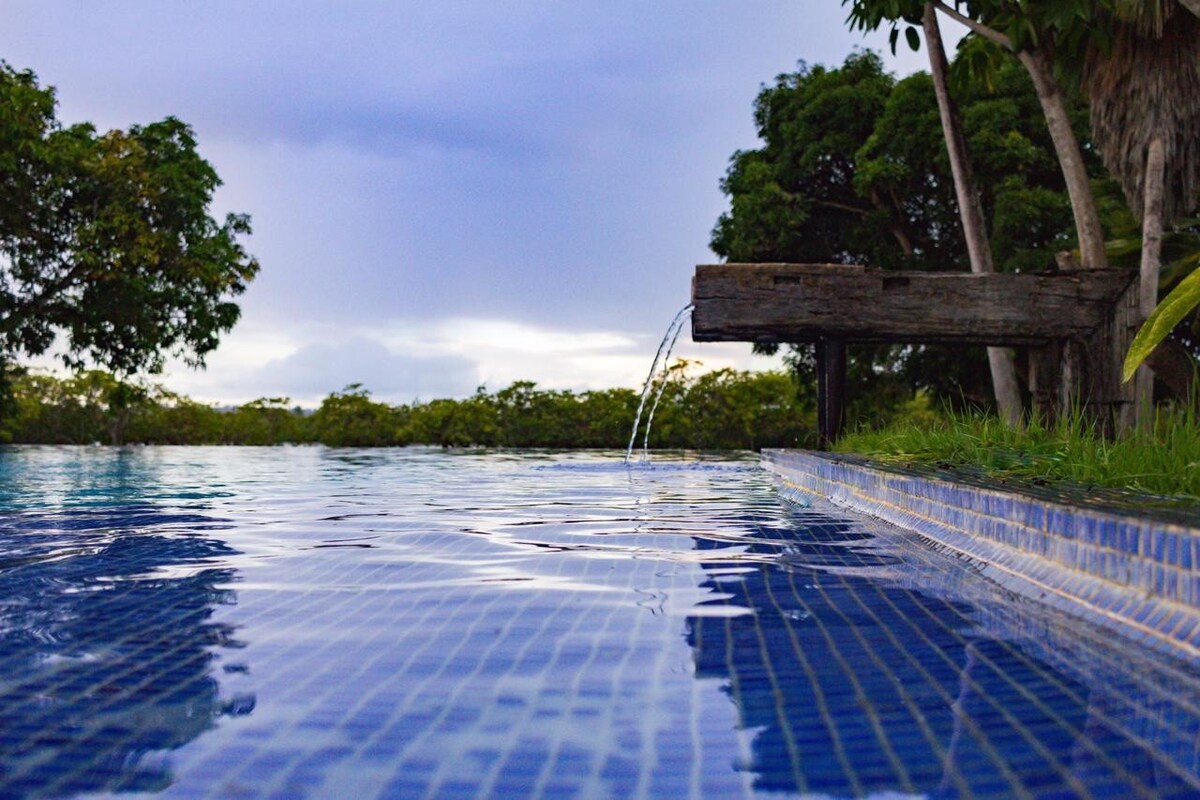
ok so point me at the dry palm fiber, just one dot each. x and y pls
(1147, 85)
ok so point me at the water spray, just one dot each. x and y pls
(667, 344)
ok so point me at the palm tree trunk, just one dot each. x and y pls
(1152, 228)
(1066, 146)
(979, 251)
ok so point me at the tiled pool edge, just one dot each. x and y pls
(1119, 570)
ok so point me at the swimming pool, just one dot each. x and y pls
(291, 622)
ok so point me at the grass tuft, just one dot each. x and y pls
(1164, 461)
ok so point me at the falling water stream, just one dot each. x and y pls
(664, 355)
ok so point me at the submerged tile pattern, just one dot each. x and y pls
(315, 623)
(1138, 572)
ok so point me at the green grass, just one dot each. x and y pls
(1165, 462)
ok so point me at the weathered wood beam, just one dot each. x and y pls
(804, 302)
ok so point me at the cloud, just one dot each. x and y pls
(481, 190)
(317, 369)
(448, 357)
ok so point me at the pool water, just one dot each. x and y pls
(309, 622)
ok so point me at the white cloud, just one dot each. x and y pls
(443, 358)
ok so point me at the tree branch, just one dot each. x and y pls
(842, 206)
(37, 303)
(978, 27)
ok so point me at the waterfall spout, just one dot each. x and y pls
(666, 345)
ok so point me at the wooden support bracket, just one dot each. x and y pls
(1078, 323)
(804, 302)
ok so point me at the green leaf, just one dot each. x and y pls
(914, 40)
(1169, 313)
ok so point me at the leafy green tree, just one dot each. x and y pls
(265, 421)
(1144, 89)
(746, 411)
(532, 417)
(606, 416)
(170, 418)
(1137, 64)
(43, 412)
(114, 401)
(897, 159)
(731, 410)
(722, 410)
(1041, 37)
(453, 423)
(106, 243)
(89, 406)
(350, 418)
(795, 198)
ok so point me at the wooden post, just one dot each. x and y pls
(1045, 381)
(831, 389)
(1117, 400)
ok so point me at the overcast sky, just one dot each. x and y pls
(445, 194)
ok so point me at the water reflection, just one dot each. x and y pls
(856, 676)
(107, 642)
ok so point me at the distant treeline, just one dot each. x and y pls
(723, 409)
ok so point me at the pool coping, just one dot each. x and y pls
(1137, 573)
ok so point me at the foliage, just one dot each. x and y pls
(1172, 310)
(1181, 257)
(106, 245)
(1136, 62)
(350, 418)
(853, 170)
(1068, 24)
(89, 406)
(725, 409)
(264, 421)
(1161, 461)
(795, 198)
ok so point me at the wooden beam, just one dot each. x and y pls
(804, 302)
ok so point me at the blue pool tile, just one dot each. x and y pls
(512, 650)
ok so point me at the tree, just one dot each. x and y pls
(1033, 33)
(979, 251)
(1142, 79)
(853, 169)
(796, 199)
(350, 418)
(107, 248)
(1144, 92)
(264, 421)
(833, 184)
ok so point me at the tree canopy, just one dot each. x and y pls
(108, 253)
(724, 409)
(853, 170)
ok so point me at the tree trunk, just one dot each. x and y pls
(1066, 147)
(979, 251)
(1152, 228)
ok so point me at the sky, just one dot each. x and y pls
(445, 195)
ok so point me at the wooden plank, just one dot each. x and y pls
(803, 302)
